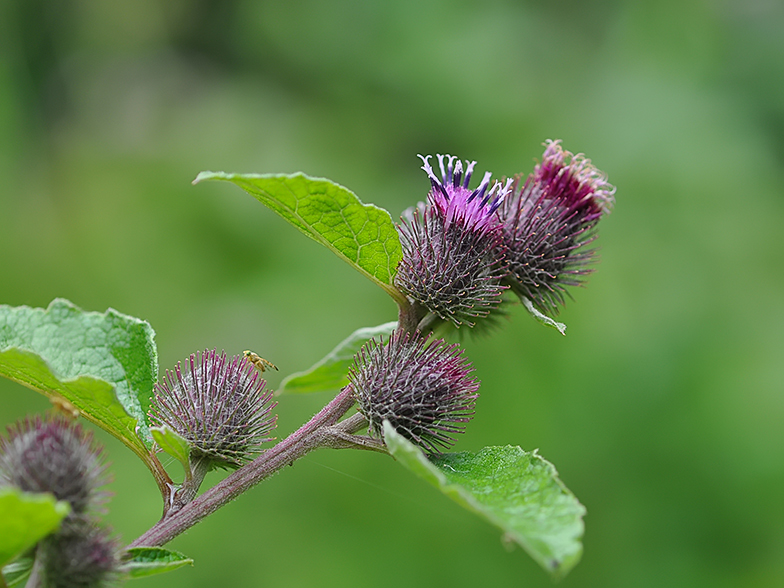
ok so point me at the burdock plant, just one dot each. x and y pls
(452, 260)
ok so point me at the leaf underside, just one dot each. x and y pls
(141, 562)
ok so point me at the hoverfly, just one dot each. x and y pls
(261, 364)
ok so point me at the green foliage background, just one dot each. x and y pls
(662, 407)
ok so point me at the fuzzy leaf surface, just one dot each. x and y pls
(361, 234)
(141, 562)
(103, 364)
(331, 372)
(515, 490)
(25, 519)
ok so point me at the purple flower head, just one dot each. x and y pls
(218, 405)
(456, 202)
(425, 390)
(453, 260)
(54, 456)
(547, 220)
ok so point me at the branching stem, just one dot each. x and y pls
(323, 430)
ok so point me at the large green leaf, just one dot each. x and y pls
(361, 234)
(515, 490)
(104, 364)
(330, 373)
(25, 519)
(148, 561)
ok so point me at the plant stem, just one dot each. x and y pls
(409, 316)
(199, 466)
(318, 432)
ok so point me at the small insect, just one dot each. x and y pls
(64, 408)
(261, 364)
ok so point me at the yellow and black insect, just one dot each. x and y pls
(261, 364)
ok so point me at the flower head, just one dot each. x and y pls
(80, 555)
(54, 456)
(547, 220)
(425, 390)
(218, 405)
(451, 263)
(456, 202)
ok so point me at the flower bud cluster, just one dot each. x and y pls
(461, 250)
(463, 247)
(57, 457)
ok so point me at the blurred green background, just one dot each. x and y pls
(662, 408)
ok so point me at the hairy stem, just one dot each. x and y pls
(409, 316)
(199, 466)
(318, 432)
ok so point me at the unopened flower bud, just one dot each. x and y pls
(218, 405)
(424, 389)
(54, 456)
(80, 555)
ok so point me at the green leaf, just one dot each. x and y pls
(25, 519)
(542, 318)
(173, 444)
(361, 234)
(104, 364)
(515, 490)
(330, 373)
(141, 562)
(16, 573)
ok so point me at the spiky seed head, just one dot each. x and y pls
(453, 259)
(547, 222)
(218, 405)
(53, 455)
(425, 389)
